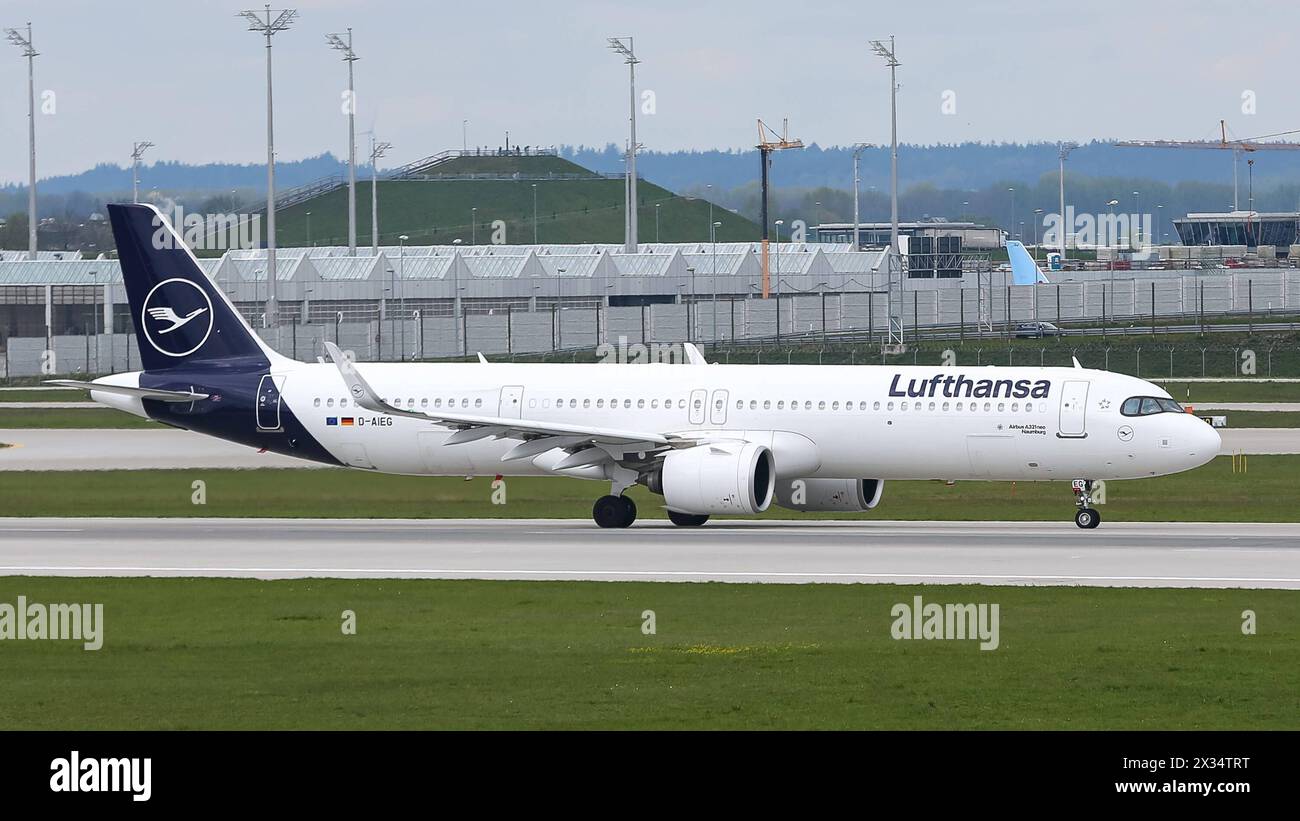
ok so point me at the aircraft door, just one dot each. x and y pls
(1074, 407)
(268, 402)
(512, 402)
(718, 408)
(696, 408)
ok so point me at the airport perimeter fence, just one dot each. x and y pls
(843, 327)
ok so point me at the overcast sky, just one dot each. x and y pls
(187, 75)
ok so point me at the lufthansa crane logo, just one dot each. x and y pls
(177, 317)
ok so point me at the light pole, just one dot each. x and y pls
(1135, 239)
(1159, 237)
(473, 225)
(713, 237)
(657, 204)
(464, 136)
(30, 52)
(401, 288)
(1063, 151)
(892, 62)
(1037, 219)
(263, 23)
(1011, 226)
(857, 181)
(559, 308)
(337, 42)
(309, 228)
(534, 213)
(455, 296)
(377, 150)
(137, 151)
(625, 49)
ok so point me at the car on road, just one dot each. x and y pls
(1037, 330)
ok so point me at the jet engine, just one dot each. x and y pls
(721, 478)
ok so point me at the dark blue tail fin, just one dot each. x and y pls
(180, 316)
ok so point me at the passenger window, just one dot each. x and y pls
(945, 407)
(1015, 407)
(767, 404)
(329, 403)
(640, 403)
(437, 403)
(600, 403)
(1002, 406)
(654, 404)
(890, 406)
(807, 404)
(835, 406)
(931, 406)
(988, 406)
(317, 402)
(740, 404)
(875, 406)
(627, 403)
(681, 404)
(573, 403)
(959, 407)
(464, 403)
(821, 405)
(753, 404)
(863, 405)
(780, 405)
(424, 402)
(586, 403)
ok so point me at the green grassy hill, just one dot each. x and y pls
(569, 210)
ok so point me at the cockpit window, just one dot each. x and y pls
(1148, 405)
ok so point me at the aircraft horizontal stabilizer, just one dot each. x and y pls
(139, 393)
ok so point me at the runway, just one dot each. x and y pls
(999, 553)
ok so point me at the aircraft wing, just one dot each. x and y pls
(139, 393)
(538, 437)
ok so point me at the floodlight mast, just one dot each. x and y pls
(619, 45)
(137, 151)
(377, 150)
(1064, 150)
(24, 42)
(338, 43)
(895, 335)
(268, 23)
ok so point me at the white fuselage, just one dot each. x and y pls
(819, 421)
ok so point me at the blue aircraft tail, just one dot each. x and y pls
(181, 318)
(1024, 271)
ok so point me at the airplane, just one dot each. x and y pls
(710, 439)
(1024, 270)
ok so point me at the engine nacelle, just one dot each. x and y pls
(725, 478)
(849, 495)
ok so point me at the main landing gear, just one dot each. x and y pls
(686, 519)
(614, 511)
(1086, 516)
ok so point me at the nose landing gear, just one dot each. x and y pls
(1086, 517)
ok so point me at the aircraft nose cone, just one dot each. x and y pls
(1203, 442)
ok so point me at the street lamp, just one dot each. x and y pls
(473, 225)
(1037, 219)
(266, 25)
(713, 236)
(534, 213)
(337, 43)
(309, 228)
(137, 151)
(1137, 210)
(1011, 226)
(30, 52)
(464, 136)
(657, 204)
(401, 289)
(857, 180)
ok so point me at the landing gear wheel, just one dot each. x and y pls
(629, 511)
(1087, 518)
(614, 511)
(686, 519)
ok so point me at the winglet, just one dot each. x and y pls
(359, 389)
(1075, 360)
(693, 355)
(482, 360)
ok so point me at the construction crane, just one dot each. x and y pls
(1237, 147)
(769, 141)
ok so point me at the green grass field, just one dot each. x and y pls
(71, 418)
(1266, 493)
(247, 654)
(42, 396)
